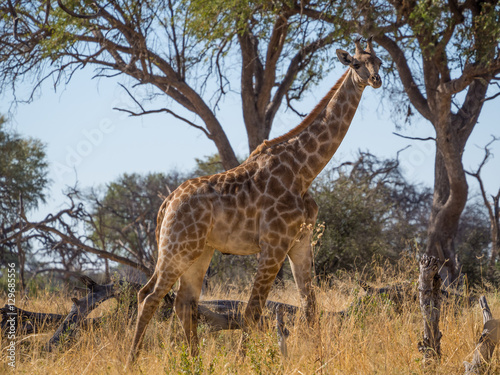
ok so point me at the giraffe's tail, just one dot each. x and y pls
(159, 218)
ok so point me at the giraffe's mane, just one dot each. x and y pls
(305, 122)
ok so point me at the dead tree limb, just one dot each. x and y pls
(28, 322)
(216, 314)
(80, 309)
(429, 288)
(487, 342)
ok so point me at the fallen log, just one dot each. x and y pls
(80, 309)
(487, 341)
(28, 322)
(216, 314)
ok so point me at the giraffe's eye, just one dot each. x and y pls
(356, 65)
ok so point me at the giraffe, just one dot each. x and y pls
(262, 206)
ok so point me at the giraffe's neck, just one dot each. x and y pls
(316, 144)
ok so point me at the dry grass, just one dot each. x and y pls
(375, 339)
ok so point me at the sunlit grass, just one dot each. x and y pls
(377, 338)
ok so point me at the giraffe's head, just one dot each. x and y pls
(364, 63)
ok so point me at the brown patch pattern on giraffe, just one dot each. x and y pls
(262, 206)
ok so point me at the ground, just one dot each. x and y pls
(376, 338)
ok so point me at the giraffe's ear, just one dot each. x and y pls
(344, 57)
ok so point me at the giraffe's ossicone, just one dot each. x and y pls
(261, 206)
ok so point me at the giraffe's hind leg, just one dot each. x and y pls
(149, 298)
(146, 289)
(186, 302)
(157, 287)
(300, 256)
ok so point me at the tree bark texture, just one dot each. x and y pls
(429, 286)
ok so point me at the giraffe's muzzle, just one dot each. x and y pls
(375, 81)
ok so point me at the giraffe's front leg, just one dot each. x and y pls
(270, 262)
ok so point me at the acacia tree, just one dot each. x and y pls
(443, 56)
(177, 49)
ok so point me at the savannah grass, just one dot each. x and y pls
(376, 338)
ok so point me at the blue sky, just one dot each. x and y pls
(90, 143)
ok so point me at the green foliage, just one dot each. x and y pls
(478, 35)
(23, 172)
(190, 365)
(429, 18)
(264, 355)
(367, 210)
(222, 19)
(218, 24)
(209, 165)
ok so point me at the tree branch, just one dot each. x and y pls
(415, 138)
(405, 74)
(477, 176)
(165, 110)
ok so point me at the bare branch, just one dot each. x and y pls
(82, 16)
(405, 74)
(415, 138)
(477, 176)
(491, 97)
(166, 110)
(67, 236)
(298, 62)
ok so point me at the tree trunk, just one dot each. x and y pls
(257, 130)
(227, 155)
(429, 286)
(450, 196)
(107, 275)
(442, 229)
